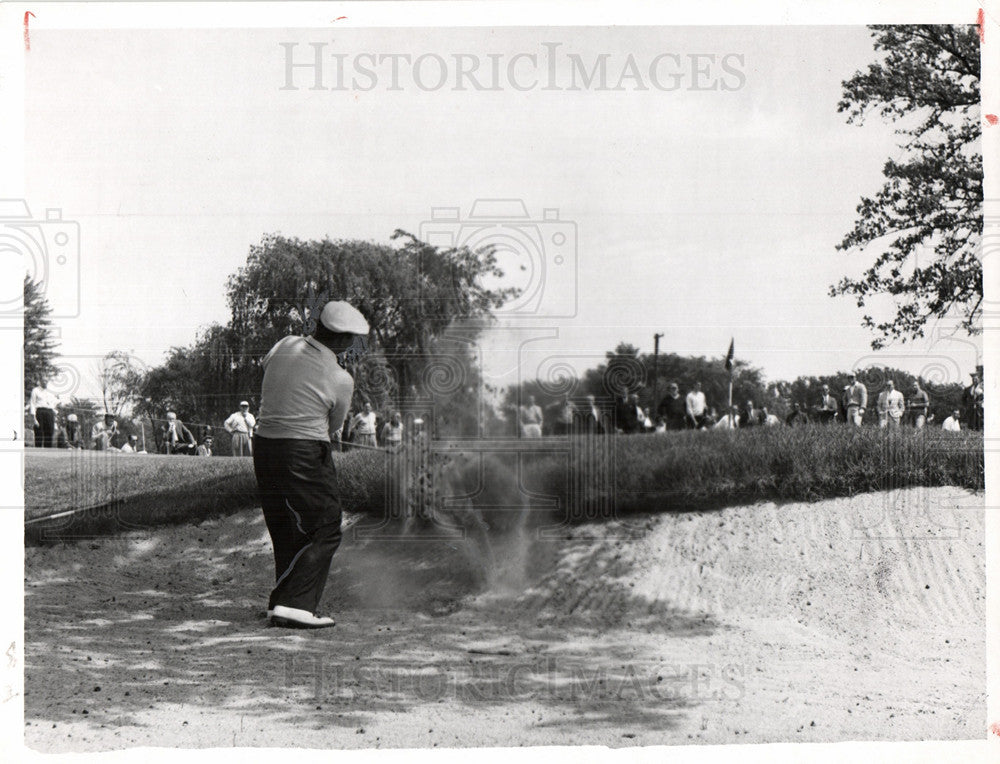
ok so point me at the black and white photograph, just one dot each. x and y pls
(455, 375)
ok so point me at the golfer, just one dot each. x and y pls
(304, 398)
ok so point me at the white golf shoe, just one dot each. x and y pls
(294, 618)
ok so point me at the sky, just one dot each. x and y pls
(701, 213)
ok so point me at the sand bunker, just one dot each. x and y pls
(846, 619)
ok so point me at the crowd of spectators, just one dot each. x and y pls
(693, 411)
(624, 414)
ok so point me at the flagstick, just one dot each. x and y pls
(730, 413)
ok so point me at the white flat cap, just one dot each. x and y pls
(343, 317)
(244, 403)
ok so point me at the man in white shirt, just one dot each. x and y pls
(531, 419)
(240, 426)
(42, 405)
(131, 446)
(695, 406)
(305, 394)
(363, 427)
(951, 424)
(728, 421)
(890, 406)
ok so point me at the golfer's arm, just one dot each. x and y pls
(338, 413)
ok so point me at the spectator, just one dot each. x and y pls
(855, 400)
(828, 408)
(647, 422)
(103, 431)
(661, 426)
(695, 407)
(711, 418)
(240, 425)
(74, 436)
(951, 424)
(342, 437)
(917, 406)
(730, 421)
(42, 405)
(890, 406)
(768, 419)
(392, 432)
(591, 420)
(205, 449)
(673, 408)
(175, 437)
(565, 415)
(363, 427)
(637, 412)
(131, 446)
(972, 399)
(531, 419)
(750, 416)
(798, 415)
(625, 418)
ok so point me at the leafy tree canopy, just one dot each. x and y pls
(926, 222)
(39, 342)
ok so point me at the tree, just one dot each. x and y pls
(197, 381)
(926, 220)
(413, 294)
(119, 376)
(39, 344)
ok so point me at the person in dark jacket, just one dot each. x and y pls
(672, 408)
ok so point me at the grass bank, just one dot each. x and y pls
(80, 494)
(589, 479)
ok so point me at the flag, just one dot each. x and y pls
(729, 355)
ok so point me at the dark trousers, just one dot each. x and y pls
(298, 490)
(46, 427)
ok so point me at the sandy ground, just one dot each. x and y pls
(853, 619)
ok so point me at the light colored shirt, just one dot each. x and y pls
(728, 422)
(695, 403)
(891, 402)
(531, 414)
(364, 424)
(951, 425)
(42, 398)
(772, 420)
(240, 422)
(305, 393)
